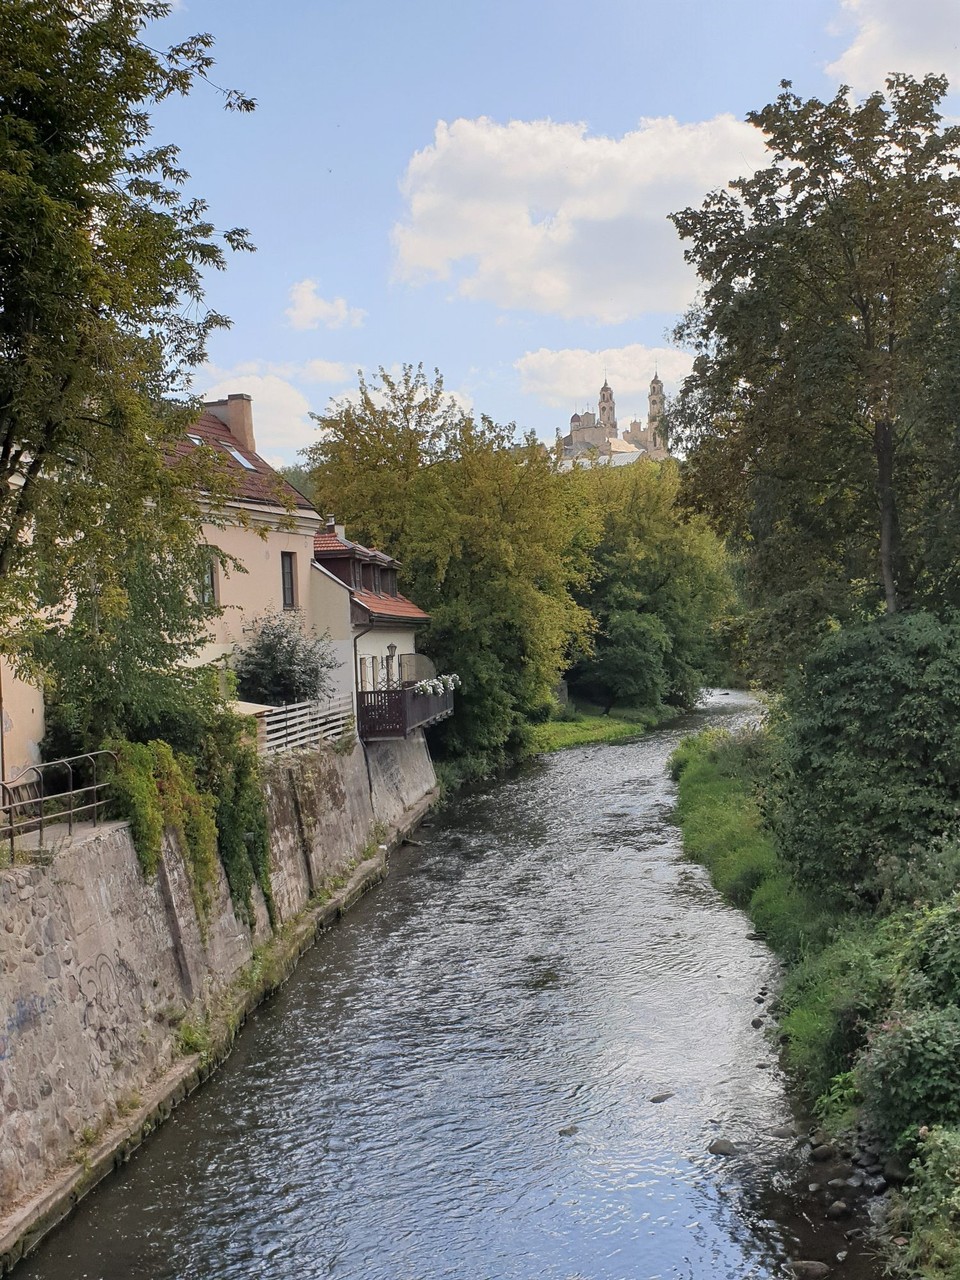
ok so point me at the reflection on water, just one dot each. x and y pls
(458, 1080)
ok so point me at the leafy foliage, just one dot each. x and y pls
(284, 662)
(115, 666)
(491, 540)
(101, 295)
(157, 790)
(820, 419)
(868, 760)
(910, 1073)
(658, 590)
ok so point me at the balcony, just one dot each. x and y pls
(395, 713)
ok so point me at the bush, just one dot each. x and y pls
(830, 999)
(909, 1074)
(929, 1210)
(931, 956)
(868, 758)
(214, 802)
(283, 662)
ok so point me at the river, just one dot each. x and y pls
(458, 1080)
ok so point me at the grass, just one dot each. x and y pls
(584, 723)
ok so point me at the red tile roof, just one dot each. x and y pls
(259, 483)
(329, 543)
(398, 607)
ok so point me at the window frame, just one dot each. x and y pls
(288, 578)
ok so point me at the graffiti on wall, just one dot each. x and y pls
(25, 1012)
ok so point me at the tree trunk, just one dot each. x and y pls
(889, 524)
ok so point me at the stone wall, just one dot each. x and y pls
(98, 966)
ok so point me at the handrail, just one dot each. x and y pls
(25, 799)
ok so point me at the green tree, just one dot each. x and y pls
(821, 415)
(492, 542)
(659, 589)
(101, 296)
(284, 663)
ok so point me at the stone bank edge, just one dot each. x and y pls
(24, 1227)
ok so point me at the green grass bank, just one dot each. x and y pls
(584, 723)
(869, 1013)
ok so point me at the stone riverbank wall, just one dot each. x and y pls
(102, 971)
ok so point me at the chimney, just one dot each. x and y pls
(236, 413)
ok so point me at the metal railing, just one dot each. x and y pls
(298, 725)
(57, 791)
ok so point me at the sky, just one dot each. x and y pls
(484, 187)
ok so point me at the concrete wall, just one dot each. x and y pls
(21, 721)
(98, 965)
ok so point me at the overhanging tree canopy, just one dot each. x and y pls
(101, 294)
(821, 414)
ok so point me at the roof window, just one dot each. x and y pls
(235, 453)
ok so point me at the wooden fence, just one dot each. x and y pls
(303, 724)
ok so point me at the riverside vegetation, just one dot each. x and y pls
(835, 826)
(820, 423)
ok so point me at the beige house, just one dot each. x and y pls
(284, 557)
(21, 723)
(269, 529)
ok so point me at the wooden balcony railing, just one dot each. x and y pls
(395, 713)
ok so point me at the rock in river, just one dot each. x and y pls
(721, 1147)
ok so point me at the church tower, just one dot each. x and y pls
(608, 410)
(655, 408)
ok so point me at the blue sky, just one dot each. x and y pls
(484, 188)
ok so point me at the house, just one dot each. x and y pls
(386, 663)
(268, 528)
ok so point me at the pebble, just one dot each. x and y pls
(568, 1131)
(782, 1131)
(756, 1022)
(661, 1097)
(838, 1209)
(808, 1270)
(823, 1152)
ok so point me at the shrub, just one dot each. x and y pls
(830, 999)
(929, 1209)
(909, 1073)
(930, 959)
(284, 662)
(868, 757)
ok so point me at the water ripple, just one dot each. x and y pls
(458, 1080)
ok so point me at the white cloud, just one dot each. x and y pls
(892, 36)
(570, 379)
(308, 310)
(325, 371)
(539, 216)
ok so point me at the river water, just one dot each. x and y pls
(458, 1080)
